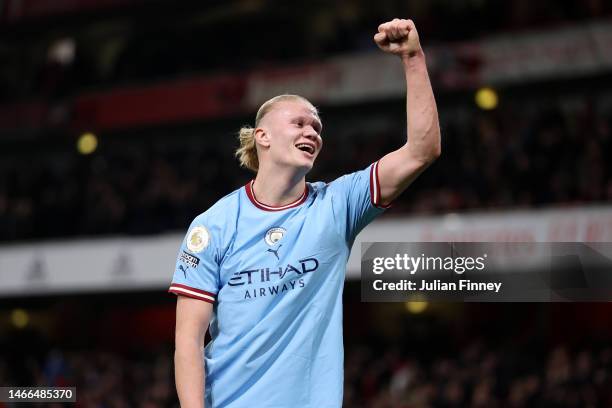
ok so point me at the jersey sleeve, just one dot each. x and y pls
(357, 200)
(196, 273)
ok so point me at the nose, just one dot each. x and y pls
(310, 133)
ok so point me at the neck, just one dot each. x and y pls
(276, 187)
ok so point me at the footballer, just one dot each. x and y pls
(263, 269)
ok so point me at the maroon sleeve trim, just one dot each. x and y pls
(195, 293)
(375, 197)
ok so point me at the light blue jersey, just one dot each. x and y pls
(275, 276)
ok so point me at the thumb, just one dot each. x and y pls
(380, 38)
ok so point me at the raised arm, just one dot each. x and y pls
(192, 318)
(401, 167)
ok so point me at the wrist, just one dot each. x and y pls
(413, 57)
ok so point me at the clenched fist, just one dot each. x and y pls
(398, 37)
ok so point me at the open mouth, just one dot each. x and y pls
(305, 147)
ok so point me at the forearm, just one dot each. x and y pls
(189, 373)
(423, 139)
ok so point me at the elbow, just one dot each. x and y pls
(429, 150)
(186, 344)
(432, 155)
(436, 152)
(186, 352)
(425, 160)
(424, 153)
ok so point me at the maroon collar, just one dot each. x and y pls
(249, 191)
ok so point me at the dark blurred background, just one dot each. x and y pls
(118, 120)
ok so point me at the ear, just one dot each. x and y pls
(262, 137)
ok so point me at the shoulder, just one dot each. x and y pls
(361, 176)
(317, 186)
(320, 189)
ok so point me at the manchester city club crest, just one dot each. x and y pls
(274, 235)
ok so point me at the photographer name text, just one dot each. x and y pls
(437, 285)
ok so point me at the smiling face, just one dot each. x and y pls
(289, 135)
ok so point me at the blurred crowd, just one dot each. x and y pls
(524, 154)
(102, 379)
(478, 377)
(150, 42)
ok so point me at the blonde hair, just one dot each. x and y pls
(247, 152)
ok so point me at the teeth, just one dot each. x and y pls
(308, 147)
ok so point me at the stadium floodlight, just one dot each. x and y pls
(20, 318)
(87, 143)
(486, 98)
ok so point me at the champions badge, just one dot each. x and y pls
(198, 239)
(274, 235)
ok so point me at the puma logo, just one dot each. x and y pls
(275, 251)
(182, 268)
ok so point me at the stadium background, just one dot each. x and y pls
(117, 127)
